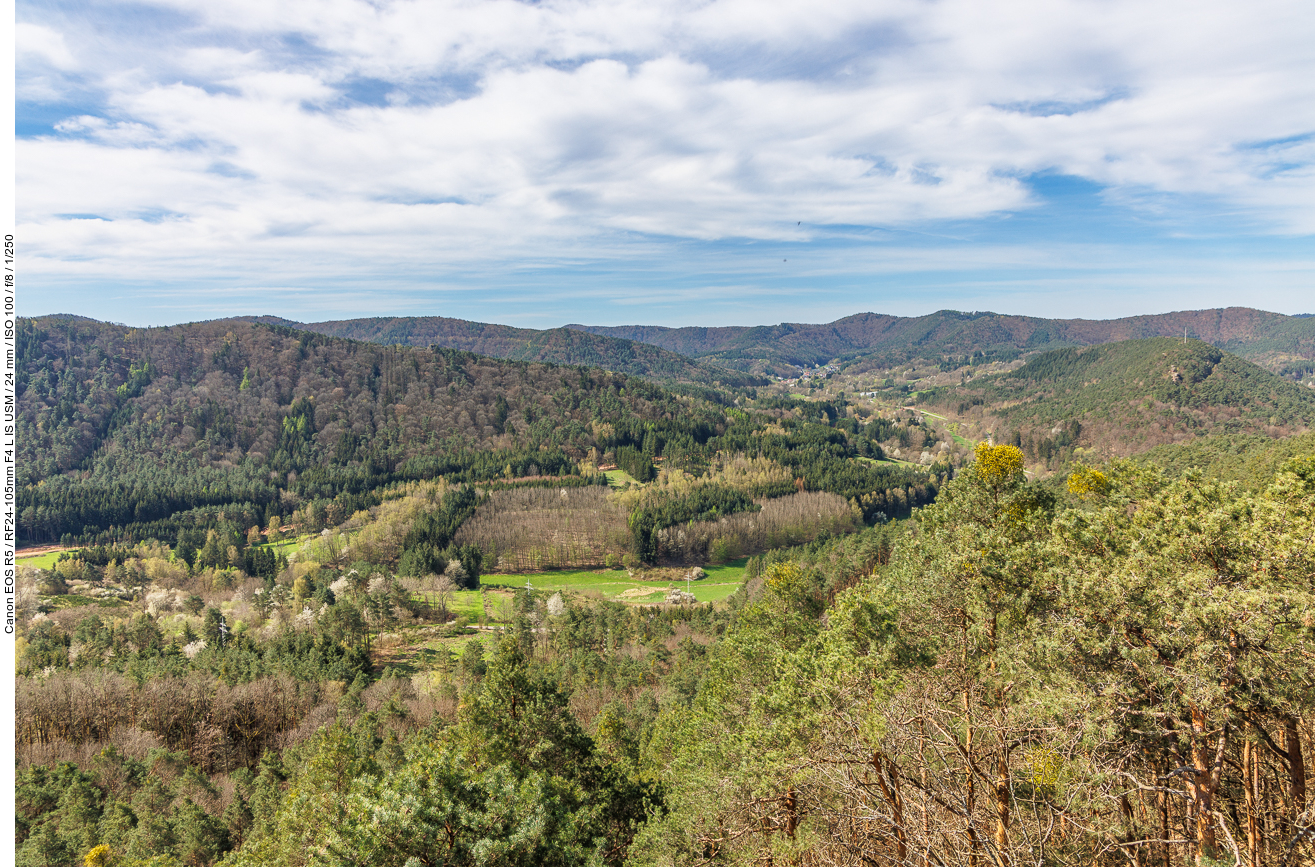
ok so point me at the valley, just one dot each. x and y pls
(675, 586)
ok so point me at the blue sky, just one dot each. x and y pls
(665, 161)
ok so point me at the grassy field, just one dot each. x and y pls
(952, 427)
(466, 603)
(422, 649)
(616, 584)
(73, 600)
(619, 478)
(287, 546)
(42, 561)
(887, 461)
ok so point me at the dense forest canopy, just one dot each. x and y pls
(140, 433)
(555, 345)
(122, 427)
(1124, 398)
(329, 602)
(1121, 674)
(1271, 339)
(1118, 668)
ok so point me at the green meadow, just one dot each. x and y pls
(41, 561)
(619, 478)
(616, 584)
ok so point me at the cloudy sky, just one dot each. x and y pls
(664, 161)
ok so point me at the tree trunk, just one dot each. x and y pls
(891, 792)
(1249, 802)
(1296, 764)
(970, 784)
(1203, 783)
(1162, 801)
(1138, 855)
(922, 783)
(1001, 791)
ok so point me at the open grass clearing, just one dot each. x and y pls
(42, 561)
(466, 603)
(889, 461)
(74, 600)
(619, 586)
(419, 649)
(619, 478)
(414, 650)
(422, 648)
(287, 546)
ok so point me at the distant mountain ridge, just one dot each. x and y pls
(1266, 338)
(739, 356)
(554, 345)
(1125, 397)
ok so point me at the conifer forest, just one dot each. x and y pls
(352, 594)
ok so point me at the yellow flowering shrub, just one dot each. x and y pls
(997, 464)
(1086, 482)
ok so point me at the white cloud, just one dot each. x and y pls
(442, 134)
(35, 43)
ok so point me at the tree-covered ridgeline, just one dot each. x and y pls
(555, 345)
(238, 415)
(1120, 399)
(130, 434)
(1265, 338)
(1119, 676)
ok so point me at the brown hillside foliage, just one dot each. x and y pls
(786, 521)
(220, 727)
(525, 529)
(221, 389)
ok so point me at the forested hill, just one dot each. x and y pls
(1123, 398)
(1271, 339)
(120, 426)
(556, 345)
(142, 433)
